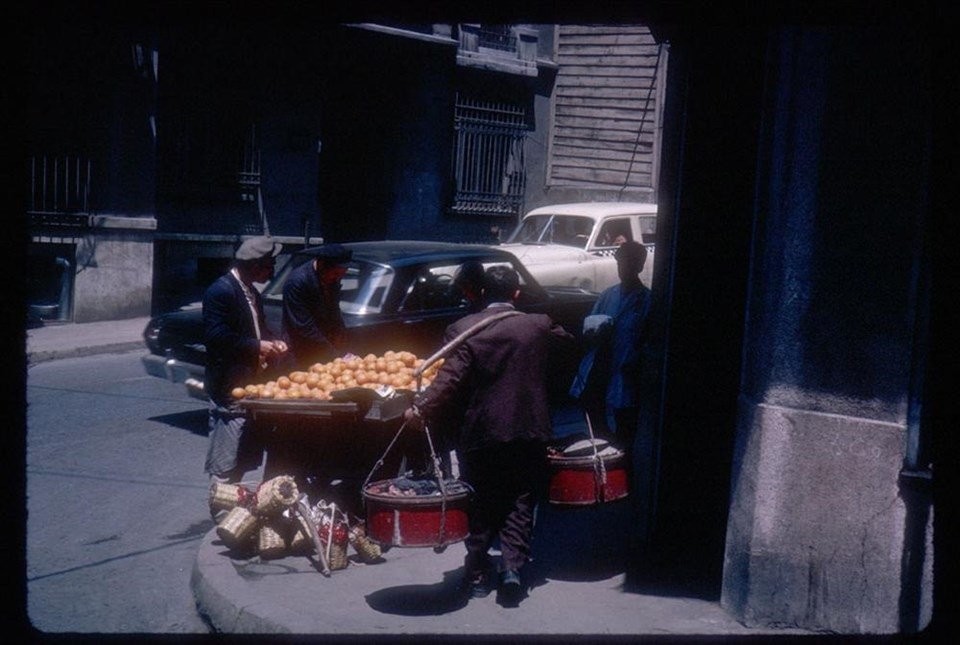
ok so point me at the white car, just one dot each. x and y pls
(573, 244)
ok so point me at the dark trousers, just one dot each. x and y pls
(508, 480)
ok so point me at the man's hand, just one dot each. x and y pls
(272, 348)
(411, 416)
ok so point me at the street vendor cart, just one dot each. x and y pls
(328, 447)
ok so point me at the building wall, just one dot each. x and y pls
(819, 524)
(114, 272)
(90, 114)
(387, 139)
(589, 109)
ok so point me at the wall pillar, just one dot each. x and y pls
(819, 531)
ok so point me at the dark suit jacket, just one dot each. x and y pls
(494, 385)
(312, 322)
(233, 351)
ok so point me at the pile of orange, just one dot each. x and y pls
(395, 369)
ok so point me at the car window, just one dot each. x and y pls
(531, 229)
(614, 232)
(648, 229)
(433, 288)
(571, 230)
(364, 287)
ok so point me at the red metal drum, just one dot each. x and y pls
(415, 521)
(580, 481)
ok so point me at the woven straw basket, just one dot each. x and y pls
(226, 496)
(368, 550)
(275, 495)
(271, 543)
(337, 558)
(237, 527)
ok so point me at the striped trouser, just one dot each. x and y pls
(234, 448)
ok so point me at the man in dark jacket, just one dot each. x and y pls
(493, 388)
(240, 347)
(469, 280)
(312, 321)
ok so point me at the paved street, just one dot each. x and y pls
(115, 498)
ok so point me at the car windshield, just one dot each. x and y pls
(569, 230)
(364, 287)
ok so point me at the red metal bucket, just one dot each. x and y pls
(417, 520)
(580, 481)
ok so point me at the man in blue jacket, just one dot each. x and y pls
(608, 379)
(240, 348)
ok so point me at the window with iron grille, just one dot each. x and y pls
(488, 167)
(497, 37)
(59, 189)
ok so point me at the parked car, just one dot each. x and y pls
(397, 295)
(573, 244)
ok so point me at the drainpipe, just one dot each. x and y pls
(63, 307)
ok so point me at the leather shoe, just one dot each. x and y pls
(477, 586)
(510, 592)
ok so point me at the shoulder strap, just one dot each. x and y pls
(462, 336)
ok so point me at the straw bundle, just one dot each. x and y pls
(270, 542)
(368, 550)
(275, 495)
(237, 527)
(224, 497)
(337, 556)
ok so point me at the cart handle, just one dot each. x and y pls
(462, 336)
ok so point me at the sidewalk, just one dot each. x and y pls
(66, 340)
(576, 583)
(577, 579)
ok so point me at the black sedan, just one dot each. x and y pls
(397, 295)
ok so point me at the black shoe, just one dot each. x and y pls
(510, 592)
(477, 586)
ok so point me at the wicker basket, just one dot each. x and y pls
(271, 543)
(224, 497)
(277, 494)
(337, 558)
(366, 549)
(237, 527)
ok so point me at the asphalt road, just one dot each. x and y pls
(116, 498)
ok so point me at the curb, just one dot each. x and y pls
(42, 356)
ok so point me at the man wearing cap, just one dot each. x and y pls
(240, 348)
(312, 321)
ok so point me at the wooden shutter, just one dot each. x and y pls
(605, 108)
